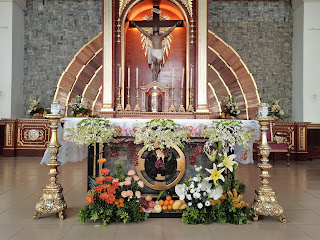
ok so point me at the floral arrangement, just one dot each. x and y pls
(163, 131)
(226, 133)
(79, 109)
(216, 197)
(92, 130)
(232, 108)
(275, 110)
(114, 198)
(34, 107)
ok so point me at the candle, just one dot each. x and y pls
(119, 76)
(182, 78)
(137, 74)
(191, 77)
(172, 77)
(128, 77)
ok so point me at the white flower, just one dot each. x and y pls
(189, 204)
(191, 186)
(179, 189)
(192, 190)
(216, 193)
(196, 195)
(208, 190)
(204, 194)
(182, 197)
(195, 179)
(198, 169)
(207, 203)
(188, 196)
(199, 205)
(205, 185)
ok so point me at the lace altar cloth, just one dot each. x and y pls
(70, 152)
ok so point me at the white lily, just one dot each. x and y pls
(179, 189)
(205, 185)
(216, 193)
(228, 161)
(215, 174)
(212, 155)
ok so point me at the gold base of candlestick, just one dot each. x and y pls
(52, 200)
(119, 108)
(137, 108)
(265, 202)
(128, 108)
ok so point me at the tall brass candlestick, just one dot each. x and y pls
(190, 107)
(52, 200)
(137, 107)
(119, 105)
(181, 108)
(265, 202)
(172, 107)
(128, 107)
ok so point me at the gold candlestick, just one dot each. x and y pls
(119, 106)
(181, 108)
(137, 107)
(52, 200)
(190, 107)
(128, 107)
(265, 202)
(172, 107)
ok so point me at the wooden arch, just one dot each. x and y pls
(227, 74)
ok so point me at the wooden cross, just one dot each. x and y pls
(156, 22)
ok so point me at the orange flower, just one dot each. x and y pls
(102, 160)
(109, 178)
(111, 190)
(104, 171)
(104, 196)
(110, 199)
(90, 199)
(100, 180)
(115, 185)
(98, 189)
(105, 186)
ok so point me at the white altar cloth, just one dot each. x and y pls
(70, 152)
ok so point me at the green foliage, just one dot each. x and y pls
(192, 215)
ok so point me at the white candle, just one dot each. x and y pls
(119, 76)
(182, 78)
(172, 77)
(128, 77)
(137, 74)
(191, 77)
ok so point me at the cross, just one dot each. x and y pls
(156, 21)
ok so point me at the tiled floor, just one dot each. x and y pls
(22, 179)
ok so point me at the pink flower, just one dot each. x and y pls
(136, 178)
(130, 193)
(131, 172)
(127, 183)
(127, 179)
(138, 194)
(140, 183)
(121, 184)
(124, 194)
(115, 180)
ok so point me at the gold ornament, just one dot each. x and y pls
(52, 200)
(265, 202)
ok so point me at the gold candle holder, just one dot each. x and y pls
(119, 106)
(181, 108)
(52, 200)
(137, 107)
(190, 107)
(265, 202)
(128, 107)
(172, 107)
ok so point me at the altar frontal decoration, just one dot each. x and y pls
(217, 197)
(91, 131)
(114, 198)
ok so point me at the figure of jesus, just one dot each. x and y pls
(155, 53)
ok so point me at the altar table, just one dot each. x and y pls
(70, 152)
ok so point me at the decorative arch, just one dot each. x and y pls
(227, 74)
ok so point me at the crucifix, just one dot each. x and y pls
(155, 53)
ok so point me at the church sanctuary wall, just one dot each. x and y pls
(261, 33)
(55, 30)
